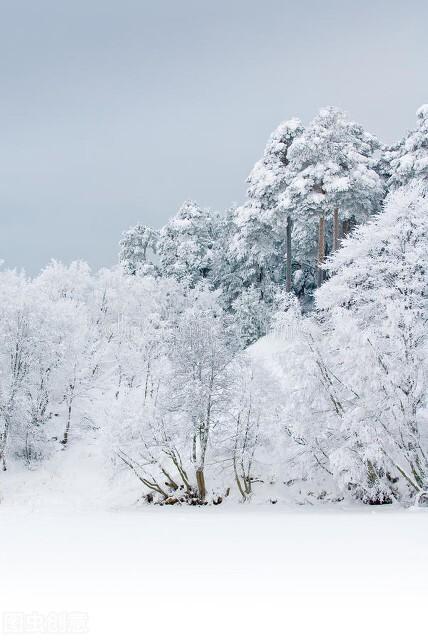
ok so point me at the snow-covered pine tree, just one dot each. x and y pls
(187, 244)
(260, 242)
(330, 176)
(135, 247)
(408, 159)
(225, 275)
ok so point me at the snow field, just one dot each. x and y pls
(249, 572)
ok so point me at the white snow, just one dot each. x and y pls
(232, 572)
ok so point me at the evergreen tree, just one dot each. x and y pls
(408, 159)
(187, 244)
(330, 176)
(259, 244)
(135, 247)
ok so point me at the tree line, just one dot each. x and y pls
(277, 350)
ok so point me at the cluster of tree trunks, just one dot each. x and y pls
(346, 227)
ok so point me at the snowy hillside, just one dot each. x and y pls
(220, 437)
(121, 387)
(213, 387)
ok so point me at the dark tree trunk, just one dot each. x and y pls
(64, 441)
(288, 266)
(321, 250)
(335, 229)
(346, 227)
(200, 479)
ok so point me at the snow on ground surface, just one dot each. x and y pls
(229, 571)
(68, 546)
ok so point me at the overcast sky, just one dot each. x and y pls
(115, 111)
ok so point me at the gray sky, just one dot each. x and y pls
(115, 111)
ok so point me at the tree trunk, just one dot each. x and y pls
(67, 427)
(260, 278)
(3, 437)
(3, 442)
(288, 266)
(346, 227)
(321, 249)
(7, 421)
(336, 229)
(200, 479)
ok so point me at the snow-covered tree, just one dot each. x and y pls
(225, 275)
(164, 436)
(77, 311)
(42, 320)
(308, 407)
(375, 308)
(136, 248)
(408, 160)
(200, 355)
(260, 240)
(16, 354)
(150, 366)
(330, 177)
(353, 376)
(187, 244)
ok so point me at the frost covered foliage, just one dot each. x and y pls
(187, 244)
(310, 182)
(137, 247)
(313, 184)
(331, 181)
(259, 239)
(49, 358)
(356, 372)
(153, 374)
(330, 166)
(376, 305)
(205, 366)
(167, 413)
(407, 160)
(143, 369)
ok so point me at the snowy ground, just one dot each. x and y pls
(243, 572)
